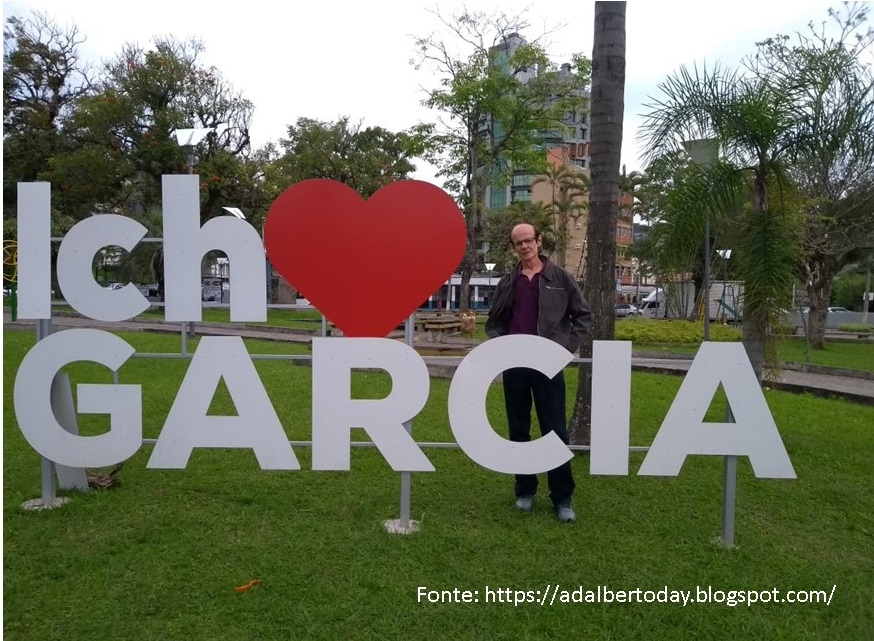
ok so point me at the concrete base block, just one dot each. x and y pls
(394, 526)
(38, 504)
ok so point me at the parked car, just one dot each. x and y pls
(626, 309)
(838, 309)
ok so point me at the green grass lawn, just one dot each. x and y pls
(309, 319)
(159, 557)
(859, 355)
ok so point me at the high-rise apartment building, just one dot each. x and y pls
(567, 146)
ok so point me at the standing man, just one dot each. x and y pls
(539, 297)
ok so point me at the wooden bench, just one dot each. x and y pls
(333, 330)
(438, 329)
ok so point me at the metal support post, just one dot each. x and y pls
(48, 499)
(729, 493)
(405, 525)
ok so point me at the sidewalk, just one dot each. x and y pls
(860, 390)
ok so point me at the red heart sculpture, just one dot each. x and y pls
(366, 265)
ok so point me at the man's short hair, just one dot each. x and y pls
(533, 226)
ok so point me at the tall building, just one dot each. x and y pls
(573, 134)
(569, 147)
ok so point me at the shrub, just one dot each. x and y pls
(856, 328)
(647, 330)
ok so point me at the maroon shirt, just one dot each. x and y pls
(526, 305)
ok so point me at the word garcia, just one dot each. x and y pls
(334, 413)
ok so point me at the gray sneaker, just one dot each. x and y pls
(565, 513)
(525, 503)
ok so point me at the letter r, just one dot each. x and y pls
(335, 413)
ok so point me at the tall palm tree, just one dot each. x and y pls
(629, 183)
(608, 103)
(754, 126)
(569, 186)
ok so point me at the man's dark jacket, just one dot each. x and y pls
(564, 317)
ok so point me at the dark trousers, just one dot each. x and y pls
(521, 384)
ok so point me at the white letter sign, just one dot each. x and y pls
(33, 406)
(467, 404)
(75, 275)
(684, 432)
(256, 425)
(334, 412)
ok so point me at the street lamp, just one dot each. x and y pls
(725, 254)
(188, 138)
(489, 268)
(703, 152)
(234, 211)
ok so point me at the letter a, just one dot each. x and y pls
(256, 426)
(684, 432)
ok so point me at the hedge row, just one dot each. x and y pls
(647, 330)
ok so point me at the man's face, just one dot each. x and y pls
(525, 244)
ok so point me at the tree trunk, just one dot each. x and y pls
(819, 291)
(816, 317)
(607, 100)
(562, 239)
(754, 345)
(473, 220)
(753, 335)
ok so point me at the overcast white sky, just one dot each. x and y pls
(351, 57)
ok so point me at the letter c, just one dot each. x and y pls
(467, 404)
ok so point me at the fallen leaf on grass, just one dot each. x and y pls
(248, 586)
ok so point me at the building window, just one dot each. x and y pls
(498, 199)
(522, 180)
(521, 195)
(584, 132)
(580, 162)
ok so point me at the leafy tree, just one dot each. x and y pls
(43, 77)
(608, 97)
(630, 183)
(500, 97)
(832, 91)
(365, 159)
(752, 122)
(794, 130)
(849, 287)
(667, 197)
(124, 132)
